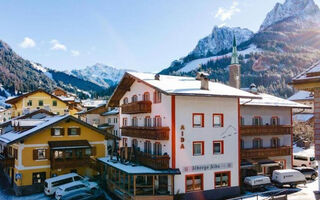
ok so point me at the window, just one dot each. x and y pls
(109, 120)
(73, 131)
(147, 121)
(125, 100)
(15, 154)
(38, 177)
(29, 103)
(40, 103)
(134, 121)
(256, 121)
(125, 142)
(41, 154)
(197, 120)
(198, 148)
(217, 120)
(134, 98)
(257, 143)
(68, 154)
(54, 103)
(157, 149)
(57, 131)
(242, 121)
(115, 120)
(157, 97)
(135, 143)
(275, 142)
(124, 122)
(194, 182)
(218, 147)
(147, 147)
(157, 121)
(58, 154)
(88, 152)
(222, 179)
(146, 96)
(274, 121)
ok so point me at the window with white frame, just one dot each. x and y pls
(197, 120)
(274, 121)
(257, 121)
(217, 147)
(198, 148)
(217, 120)
(134, 121)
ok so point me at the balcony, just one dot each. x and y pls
(136, 107)
(153, 161)
(152, 133)
(6, 162)
(265, 152)
(265, 130)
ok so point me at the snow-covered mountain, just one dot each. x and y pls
(220, 39)
(291, 8)
(100, 74)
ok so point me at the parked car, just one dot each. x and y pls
(75, 186)
(289, 177)
(84, 195)
(308, 172)
(51, 184)
(304, 161)
(256, 182)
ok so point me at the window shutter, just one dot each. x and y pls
(47, 154)
(78, 131)
(94, 151)
(69, 131)
(52, 131)
(35, 154)
(62, 131)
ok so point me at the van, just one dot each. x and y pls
(256, 182)
(289, 177)
(51, 184)
(304, 161)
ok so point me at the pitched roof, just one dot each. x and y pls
(111, 112)
(18, 98)
(14, 136)
(97, 110)
(311, 74)
(175, 85)
(270, 100)
(301, 95)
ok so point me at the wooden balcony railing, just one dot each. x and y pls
(6, 162)
(136, 107)
(69, 163)
(265, 130)
(153, 161)
(265, 152)
(152, 133)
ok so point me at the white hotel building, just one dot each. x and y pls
(184, 131)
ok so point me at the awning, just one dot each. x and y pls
(136, 169)
(71, 144)
(246, 164)
(268, 163)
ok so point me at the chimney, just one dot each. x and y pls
(234, 67)
(253, 88)
(203, 77)
(157, 77)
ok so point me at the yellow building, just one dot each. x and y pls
(39, 99)
(42, 147)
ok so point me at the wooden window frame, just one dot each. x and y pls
(125, 100)
(277, 120)
(124, 120)
(145, 147)
(157, 96)
(278, 142)
(78, 131)
(261, 143)
(41, 103)
(202, 120)
(53, 130)
(202, 147)
(133, 120)
(221, 120)
(144, 96)
(193, 175)
(146, 121)
(29, 103)
(54, 103)
(159, 153)
(221, 147)
(155, 121)
(220, 172)
(134, 98)
(260, 122)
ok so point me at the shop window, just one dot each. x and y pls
(38, 177)
(194, 182)
(222, 179)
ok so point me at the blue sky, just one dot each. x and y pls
(144, 35)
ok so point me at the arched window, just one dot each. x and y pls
(256, 121)
(125, 100)
(257, 143)
(157, 121)
(134, 98)
(275, 142)
(274, 121)
(146, 96)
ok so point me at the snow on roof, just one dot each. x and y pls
(269, 100)
(304, 152)
(302, 117)
(27, 122)
(313, 69)
(15, 135)
(139, 169)
(301, 95)
(179, 85)
(111, 112)
(93, 102)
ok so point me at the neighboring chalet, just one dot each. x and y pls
(72, 100)
(5, 114)
(306, 98)
(38, 99)
(41, 145)
(93, 115)
(180, 135)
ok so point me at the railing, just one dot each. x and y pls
(136, 107)
(69, 163)
(265, 152)
(153, 161)
(265, 130)
(152, 133)
(6, 162)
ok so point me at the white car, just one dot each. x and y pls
(75, 186)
